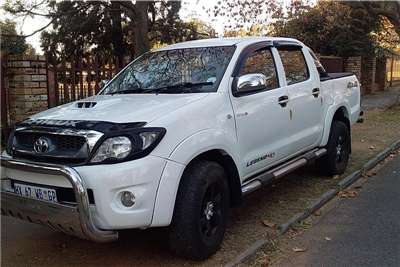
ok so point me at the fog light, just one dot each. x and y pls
(127, 199)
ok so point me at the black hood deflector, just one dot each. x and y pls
(100, 126)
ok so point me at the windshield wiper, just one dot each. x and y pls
(182, 87)
(175, 88)
(128, 91)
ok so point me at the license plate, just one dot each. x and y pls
(40, 193)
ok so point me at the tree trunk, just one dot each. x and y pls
(141, 20)
(117, 35)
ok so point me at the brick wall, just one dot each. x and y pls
(26, 85)
(368, 77)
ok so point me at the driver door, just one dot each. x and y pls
(262, 122)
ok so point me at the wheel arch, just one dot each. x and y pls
(212, 145)
(340, 113)
(226, 161)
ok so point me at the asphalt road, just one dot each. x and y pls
(360, 231)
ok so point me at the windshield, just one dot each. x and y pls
(189, 70)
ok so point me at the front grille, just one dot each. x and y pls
(61, 142)
(62, 148)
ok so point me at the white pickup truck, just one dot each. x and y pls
(177, 138)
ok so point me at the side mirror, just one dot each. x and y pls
(249, 83)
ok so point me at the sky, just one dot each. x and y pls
(190, 8)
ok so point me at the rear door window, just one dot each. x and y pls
(294, 64)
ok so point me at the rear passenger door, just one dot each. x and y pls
(305, 100)
(261, 121)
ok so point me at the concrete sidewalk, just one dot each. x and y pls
(381, 100)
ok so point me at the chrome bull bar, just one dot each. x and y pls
(75, 220)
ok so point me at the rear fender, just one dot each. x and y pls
(329, 118)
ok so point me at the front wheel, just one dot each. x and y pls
(201, 211)
(337, 157)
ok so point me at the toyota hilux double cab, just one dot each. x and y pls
(177, 138)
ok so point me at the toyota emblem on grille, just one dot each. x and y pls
(41, 145)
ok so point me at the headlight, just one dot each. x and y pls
(128, 145)
(113, 148)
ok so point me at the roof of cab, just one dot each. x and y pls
(224, 42)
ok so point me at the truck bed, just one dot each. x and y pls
(342, 88)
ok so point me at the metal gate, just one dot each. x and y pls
(78, 78)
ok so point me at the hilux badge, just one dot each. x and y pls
(41, 145)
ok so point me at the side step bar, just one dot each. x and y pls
(281, 170)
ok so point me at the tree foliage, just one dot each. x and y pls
(117, 28)
(242, 15)
(11, 43)
(330, 27)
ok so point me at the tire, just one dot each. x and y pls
(337, 157)
(201, 211)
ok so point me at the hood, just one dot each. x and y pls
(120, 108)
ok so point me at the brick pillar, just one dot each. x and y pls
(368, 74)
(353, 64)
(26, 82)
(380, 75)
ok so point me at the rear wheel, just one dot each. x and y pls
(337, 157)
(201, 211)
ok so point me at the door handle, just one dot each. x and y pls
(315, 92)
(283, 100)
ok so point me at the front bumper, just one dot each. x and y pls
(71, 219)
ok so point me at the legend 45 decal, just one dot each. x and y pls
(264, 157)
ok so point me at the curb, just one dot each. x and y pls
(247, 253)
(318, 203)
(381, 156)
(328, 195)
(344, 183)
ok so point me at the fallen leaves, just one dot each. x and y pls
(372, 147)
(348, 194)
(317, 213)
(297, 249)
(371, 173)
(268, 223)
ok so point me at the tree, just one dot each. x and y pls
(330, 27)
(11, 42)
(334, 28)
(241, 15)
(390, 10)
(120, 28)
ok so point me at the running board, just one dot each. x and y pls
(281, 170)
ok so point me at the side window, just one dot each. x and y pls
(294, 63)
(261, 61)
